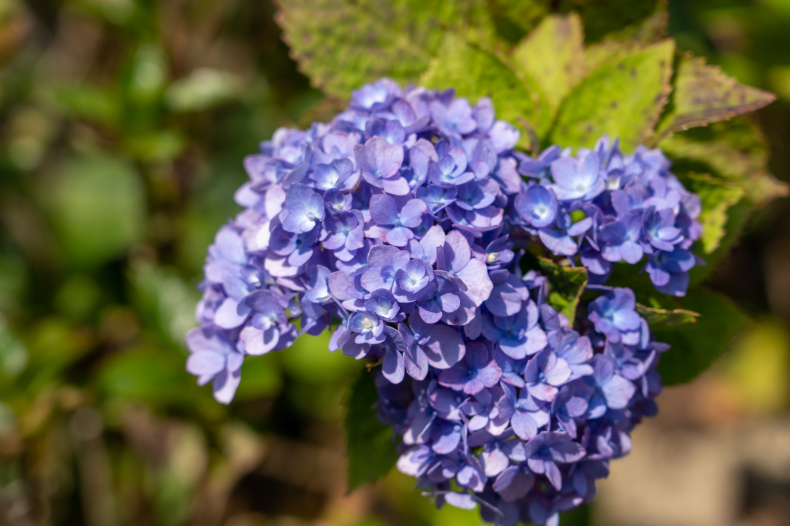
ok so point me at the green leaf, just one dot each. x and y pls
(474, 73)
(566, 285)
(695, 346)
(97, 206)
(704, 94)
(624, 99)
(553, 55)
(717, 198)
(342, 44)
(666, 317)
(370, 444)
(734, 151)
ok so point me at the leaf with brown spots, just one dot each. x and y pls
(342, 44)
(553, 55)
(704, 94)
(623, 98)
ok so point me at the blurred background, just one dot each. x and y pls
(123, 124)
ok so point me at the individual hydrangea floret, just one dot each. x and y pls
(400, 227)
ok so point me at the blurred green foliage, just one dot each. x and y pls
(123, 127)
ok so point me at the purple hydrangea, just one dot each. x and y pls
(400, 227)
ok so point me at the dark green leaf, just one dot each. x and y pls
(553, 55)
(513, 20)
(623, 98)
(566, 285)
(734, 152)
(620, 43)
(695, 346)
(474, 73)
(666, 317)
(370, 444)
(704, 94)
(342, 44)
(602, 17)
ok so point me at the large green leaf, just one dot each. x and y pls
(717, 198)
(553, 55)
(566, 285)
(371, 444)
(342, 44)
(704, 94)
(695, 346)
(474, 72)
(623, 98)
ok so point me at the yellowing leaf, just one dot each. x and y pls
(704, 94)
(553, 56)
(623, 98)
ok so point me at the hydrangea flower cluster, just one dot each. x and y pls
(526, 435)
(401, 225)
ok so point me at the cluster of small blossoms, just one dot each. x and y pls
(525, 436)
(606, 207)
(400, 225)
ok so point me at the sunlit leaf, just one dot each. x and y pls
(553, 56)
(623, 99)
(717, 198)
